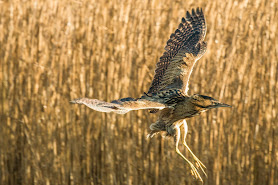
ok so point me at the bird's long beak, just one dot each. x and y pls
(225, 105)
(219, 104)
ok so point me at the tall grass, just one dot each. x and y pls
(55, 51)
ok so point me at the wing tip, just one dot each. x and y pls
(188, 16)
(183, 20)
(193, 12)
(198, 10)
(77, 101)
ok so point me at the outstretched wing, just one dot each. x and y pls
(120, 106)
(183, 49)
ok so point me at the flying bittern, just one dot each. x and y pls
(168, 92)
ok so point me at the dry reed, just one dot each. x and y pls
(55, 51)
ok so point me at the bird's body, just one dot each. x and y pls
(167, 94)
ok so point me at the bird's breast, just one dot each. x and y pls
(185, 110)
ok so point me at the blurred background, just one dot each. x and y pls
(54, 51)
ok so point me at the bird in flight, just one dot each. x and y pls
(168, 93)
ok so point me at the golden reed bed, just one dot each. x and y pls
(54, 51)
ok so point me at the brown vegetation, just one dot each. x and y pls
(55, 51)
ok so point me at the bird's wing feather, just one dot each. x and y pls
(168, 97)
(120, 106)
(183, 49)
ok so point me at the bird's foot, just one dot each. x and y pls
(198, 162)
(194, 171)
(200, 165)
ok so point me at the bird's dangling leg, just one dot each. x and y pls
(199, 164)
(194, 171)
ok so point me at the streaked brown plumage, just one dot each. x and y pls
(168, 91)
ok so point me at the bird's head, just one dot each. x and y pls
(206, 102)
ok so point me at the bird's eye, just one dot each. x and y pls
(195, 97)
